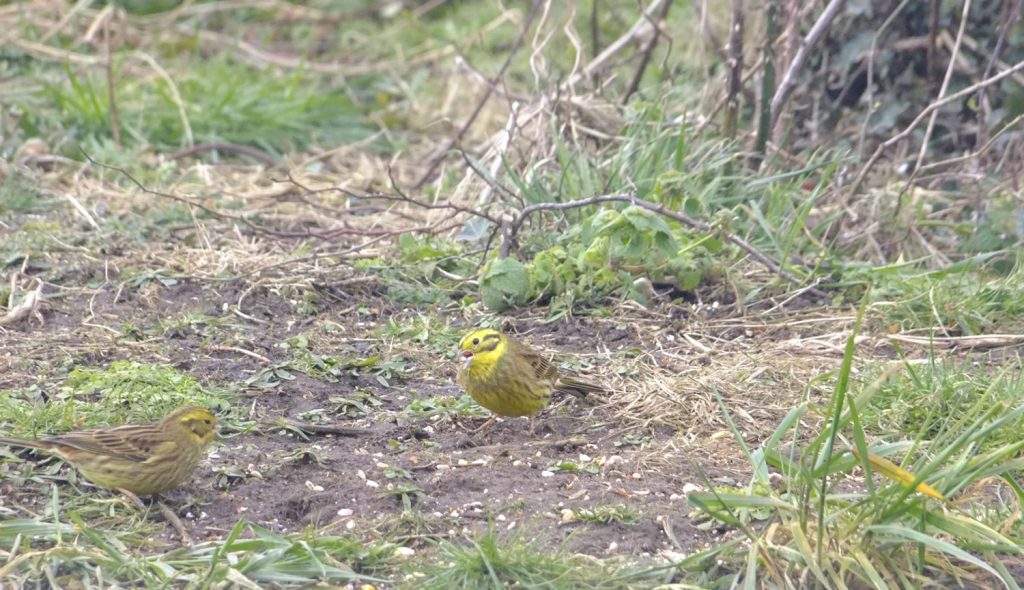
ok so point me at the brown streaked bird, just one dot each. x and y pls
(509, 378)
(144, 459)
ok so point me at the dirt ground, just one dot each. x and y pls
(617, 453)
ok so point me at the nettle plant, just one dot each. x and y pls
(610, 252)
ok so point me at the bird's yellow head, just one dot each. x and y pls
(198, 424)
(480, 350)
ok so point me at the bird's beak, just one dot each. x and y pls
(467, 358)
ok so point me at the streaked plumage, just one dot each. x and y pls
(144, 459)
(509, 378)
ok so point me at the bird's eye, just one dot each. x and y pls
(476, 341)
(208, 422)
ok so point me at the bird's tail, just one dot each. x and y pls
(21, 442)
(577, 387)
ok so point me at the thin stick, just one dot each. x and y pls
(789, 80)
(645, 56)
(859, 180)
(735, 77)
(942, 91)
(260, 156)
(115, 127)
(436, 160)
(174, 521)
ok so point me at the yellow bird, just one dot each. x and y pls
(144, 459)
(509, 378)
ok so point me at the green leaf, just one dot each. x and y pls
(505, 283)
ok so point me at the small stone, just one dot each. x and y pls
(372, 484)
(361, 475)
(350, 525)
(546, 473)
(691, 488)
(345, 512)
(463, 463)
(568, 515)
(405, 552)
(314, 487)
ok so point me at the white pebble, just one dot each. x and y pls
(546, 473)
(405, 552)
(372, 484)
(314, 487)
(691, 488)
(345, 512)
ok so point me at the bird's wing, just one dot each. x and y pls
(132, 443)
(541, 365)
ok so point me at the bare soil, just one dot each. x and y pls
(503, 479)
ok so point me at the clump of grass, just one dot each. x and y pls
(606, 514)
(965, 299)
(490, 562)
(18, 194)
(928, 400)
(444, 409)
(213, 101)
(250, 556)
(841, 531)
(124, 392)
(426, 330)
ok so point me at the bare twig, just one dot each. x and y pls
(314, 428)
(436, 160)
(981, 150)
(942, 91)
(735, 75)
(764, 115)
(645, 55)
(258, 155)
(115, 127)
(870, 86)
(796, 67)
(866, 168)
(326, 235)
(1011, 19)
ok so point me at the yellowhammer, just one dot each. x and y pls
(509, 378)
(144, 459)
